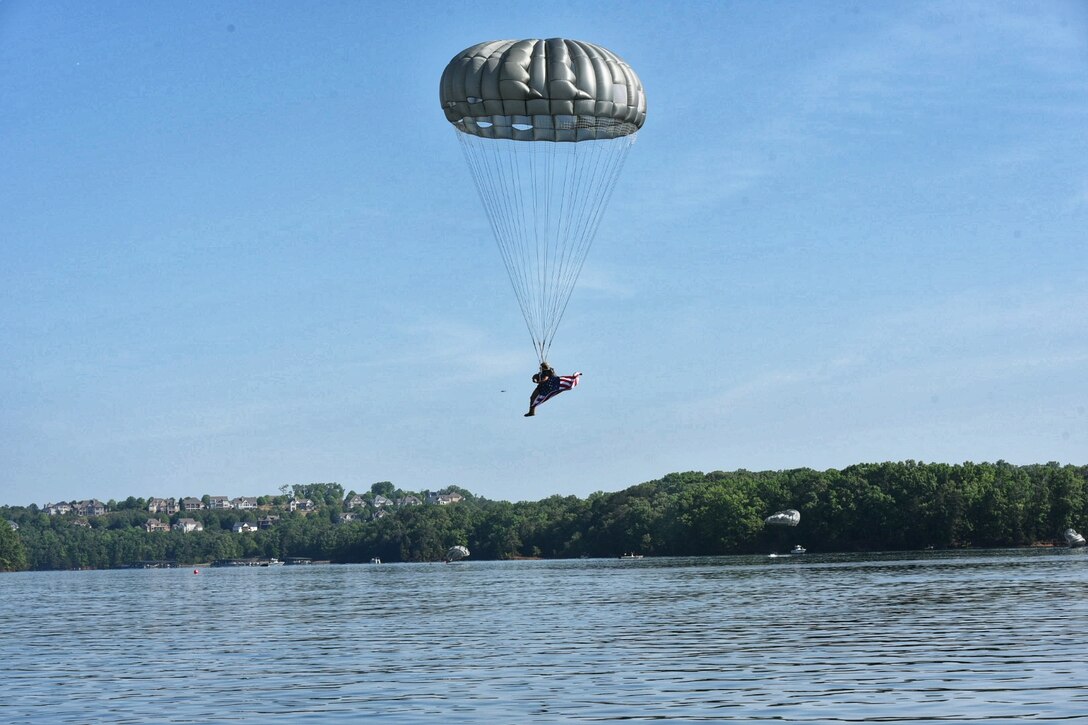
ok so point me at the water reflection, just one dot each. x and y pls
(914, 637)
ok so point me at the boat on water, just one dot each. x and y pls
(375, 560)
(798, 549)
(631, 555)
(272, 562)
(1073, 539)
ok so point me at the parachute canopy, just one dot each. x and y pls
(545, 126)
(542, 90)
(789, 517)
(456, 553)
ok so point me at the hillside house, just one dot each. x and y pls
(167, 506)
(218, 503)
(243, 527)
(354, 502)
(156, 525)
(188, 525)
(191, 504)
(444, 499)
(244, 503)
(93, 507)
(301, 505)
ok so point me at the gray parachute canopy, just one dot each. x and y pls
(542, 90)
(789, 517)
(456, 553)
(545, 126)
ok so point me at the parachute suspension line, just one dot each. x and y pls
(540, 258)
(577, 219)
(538, 212)
(485, 173)
(543, 185)
(571, 193)
(608, 163)
(544, 202)
(516, 240)
(566, 195)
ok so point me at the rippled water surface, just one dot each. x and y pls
(916, 637)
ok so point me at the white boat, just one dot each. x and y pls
(1072, 538)
(797, 549)
(631, 556)
(375, 560)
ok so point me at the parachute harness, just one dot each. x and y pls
(544, 201)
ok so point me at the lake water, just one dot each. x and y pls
(1000, 636)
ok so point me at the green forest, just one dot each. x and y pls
(867, 507)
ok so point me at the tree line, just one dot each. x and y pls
(867, 507)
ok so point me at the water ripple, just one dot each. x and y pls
(915, 638)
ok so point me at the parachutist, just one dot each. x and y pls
(542, 378)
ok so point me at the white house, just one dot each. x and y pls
(187, 525)
(244, 526)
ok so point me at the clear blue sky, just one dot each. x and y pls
(240, 248)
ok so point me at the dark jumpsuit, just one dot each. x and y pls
(543, 380)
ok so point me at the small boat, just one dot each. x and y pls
(797, 549)
(375, 560)
(272, 562)
(1073, 539)
(631, 555)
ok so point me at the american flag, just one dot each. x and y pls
(555, 386)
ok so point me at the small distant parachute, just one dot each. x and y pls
(789, 517)
(456, 553)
